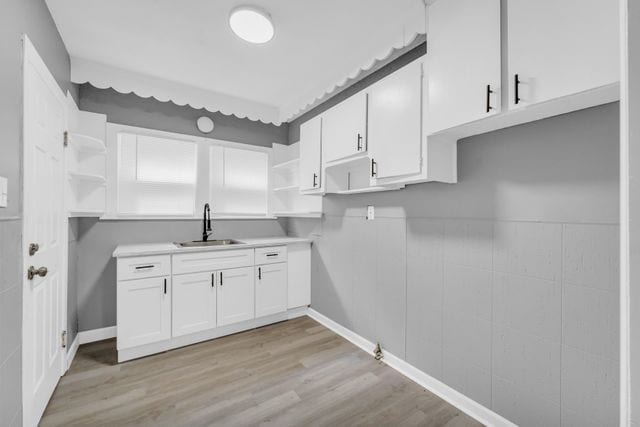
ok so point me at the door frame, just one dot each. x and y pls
(31, 56)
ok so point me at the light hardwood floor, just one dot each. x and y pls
(294, 373)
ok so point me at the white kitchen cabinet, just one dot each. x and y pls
(193, 303)
(299, 275)
(271, 289)
(344, 128)
(395, 117)
(143, 311)
(561, 47)
(464, 61)
(311, 155)
(235, 295)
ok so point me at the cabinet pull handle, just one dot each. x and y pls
(213, 280)
(259, 273)
(516, 81)
(221, 278)
(144, 267)
(272, 254)
(165, 286)
(359, 145)
(489, 92)
(374, 168)
(315, 176)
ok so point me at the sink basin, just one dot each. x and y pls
(201, 243)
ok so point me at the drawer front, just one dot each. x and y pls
(144, 267)
(210, 261)
(271, 255)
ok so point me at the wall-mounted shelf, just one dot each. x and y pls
(287, 200)
(86, 143)
(87, 177)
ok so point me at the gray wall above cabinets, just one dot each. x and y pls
(130, 109)
(18, 17)
(398, 59)
(503, 286)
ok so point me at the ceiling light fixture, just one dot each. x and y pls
(251, 24)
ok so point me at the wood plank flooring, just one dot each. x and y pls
(294, 373)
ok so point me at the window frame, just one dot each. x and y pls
(203, 190)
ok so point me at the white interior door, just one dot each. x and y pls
(561, 47)
(235, 295)
(44, 295)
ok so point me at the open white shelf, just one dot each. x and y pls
(289, 165)
(287, 201)
(87, 177)
(86, 143)
(369, 189)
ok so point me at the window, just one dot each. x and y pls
(238, 181)
(156, 176)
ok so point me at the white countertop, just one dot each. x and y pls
(171, 248)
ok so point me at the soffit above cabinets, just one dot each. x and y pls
(186, 52)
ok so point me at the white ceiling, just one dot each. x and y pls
(318, 44)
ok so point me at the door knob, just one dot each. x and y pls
(33, 272)
(33, 248)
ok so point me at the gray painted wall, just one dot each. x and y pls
(96, 293)
(503, 286)
(18, 17)
(98, 239)
(133, 110)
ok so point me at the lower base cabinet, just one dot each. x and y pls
(207, 292)
(271, 289)
(235, 295)
(144, 311)
(194, 303)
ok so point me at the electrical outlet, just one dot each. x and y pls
(3, 192)
(370, 213)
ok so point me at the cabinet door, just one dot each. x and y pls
(193, 303)
(235, 295)
(344, 128)
(299, 275)
(271, 289)
(463, 61)
(310, 154)
(144, 311)
(395, 118)
(561, 47)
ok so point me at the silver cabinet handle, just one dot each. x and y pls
(33, 272)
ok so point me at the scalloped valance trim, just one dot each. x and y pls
(104, 76)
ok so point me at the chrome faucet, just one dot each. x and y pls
(206, 223)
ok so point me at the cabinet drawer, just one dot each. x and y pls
(271, 255)
(210, 261)
(144, 267)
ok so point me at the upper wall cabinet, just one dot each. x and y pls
(311, 155)
(344, 128)
(395, 108)
(464, 61)
(561, 47)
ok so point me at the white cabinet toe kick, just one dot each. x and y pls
(173, 300)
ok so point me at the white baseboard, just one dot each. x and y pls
(73, 349)
(94, 335)
(294, 313)
(469, 406)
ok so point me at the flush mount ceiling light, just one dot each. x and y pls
(251, 24)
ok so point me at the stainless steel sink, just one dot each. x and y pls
(201, 243)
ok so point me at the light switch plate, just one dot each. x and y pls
(3, 191)
(370, 213)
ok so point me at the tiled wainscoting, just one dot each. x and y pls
(10, 322)
(520, 316)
